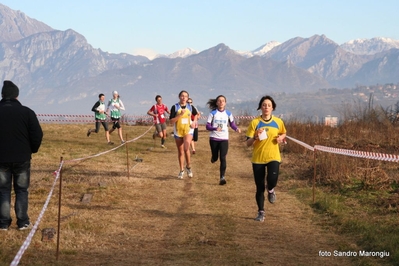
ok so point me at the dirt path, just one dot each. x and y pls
(199, 222)
(153, 218)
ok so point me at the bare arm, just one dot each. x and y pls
(281, 138)
(151, 113)
(251, 141)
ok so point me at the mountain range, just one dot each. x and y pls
(358, 46)
(59, 72)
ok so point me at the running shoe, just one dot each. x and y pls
(180, 176)
(88, 132)
(222, 181)
(163, 146)
(260, 217)
(189, 172)
(271, 197)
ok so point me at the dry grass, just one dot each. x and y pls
(152, 218)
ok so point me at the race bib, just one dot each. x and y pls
(184, 121)
(263, 135)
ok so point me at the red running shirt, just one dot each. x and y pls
(160, 111)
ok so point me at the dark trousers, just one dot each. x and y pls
(18, 175)
(219, 149)
(195, 135)
(259, 171)
(99, 123)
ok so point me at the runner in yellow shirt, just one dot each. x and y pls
(265, 133)
(183, 130)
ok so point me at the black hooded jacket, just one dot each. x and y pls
(20, 132)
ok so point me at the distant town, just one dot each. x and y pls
(325, 105)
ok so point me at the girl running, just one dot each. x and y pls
(115, 105)
(183, 129)
(218, 122)
(265, 133)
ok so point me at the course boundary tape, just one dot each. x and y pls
(353, 153)
(359, 154)
(117, 147)
(28, 239)
(129, 119)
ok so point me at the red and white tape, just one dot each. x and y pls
(55, 118)
(301, 143)
(352, 153)
(359, 154)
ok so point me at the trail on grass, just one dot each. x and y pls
(150, 217)
(199, 222)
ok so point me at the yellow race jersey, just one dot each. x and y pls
(266, 150)
(182, 126)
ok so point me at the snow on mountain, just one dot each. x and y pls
(265, 48)
(370, 46)
(181, 53)
(262, 50)
(357, 46)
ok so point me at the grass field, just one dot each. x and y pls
(141, 214)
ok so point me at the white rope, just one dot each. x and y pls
(28, 239)
(102, 153)
(353, 153)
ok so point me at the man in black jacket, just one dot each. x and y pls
(20, 136)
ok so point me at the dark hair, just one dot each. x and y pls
(212, 103)
(101, 95)
(183, 91)
(267, 97)
(158, 96)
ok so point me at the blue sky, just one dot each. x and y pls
(148, 27)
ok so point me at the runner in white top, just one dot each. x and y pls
(218, 123)
(114, 107)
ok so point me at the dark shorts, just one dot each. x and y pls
(99, 123)
(116, 123)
